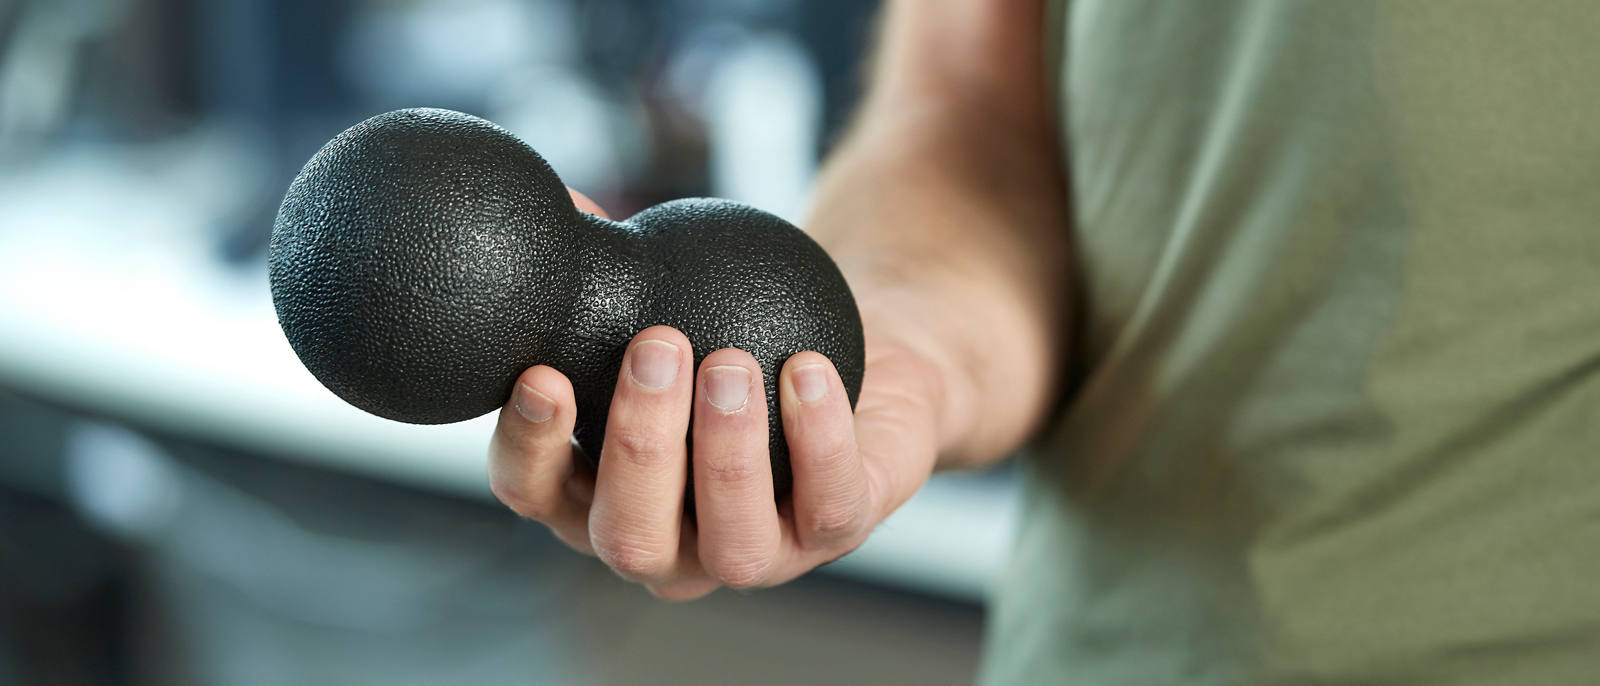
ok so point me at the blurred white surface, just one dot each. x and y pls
(763, 106)
(112, 303)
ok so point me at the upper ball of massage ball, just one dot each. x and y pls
(424, 258)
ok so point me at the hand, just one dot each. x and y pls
(849, 471)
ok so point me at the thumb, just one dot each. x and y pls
(896, 426)
(584, 203)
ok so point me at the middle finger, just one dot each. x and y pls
(739, 529)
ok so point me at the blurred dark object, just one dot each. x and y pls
(62, 597)
(63, 589)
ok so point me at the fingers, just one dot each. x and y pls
(531, 468)
(583, 203)
(739, 534)
(831, 494)
(631, 513)
(690, 581)
(897, 428)
(638, 501)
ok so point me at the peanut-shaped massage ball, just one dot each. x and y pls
(424, 258)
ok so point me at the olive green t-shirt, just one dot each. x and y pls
(1336, 415)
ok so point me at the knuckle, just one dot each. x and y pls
(522, 500)
(740, 571)
(639, 447)
(730, 470)
(833, 459)
(633, 561)
(834, 522)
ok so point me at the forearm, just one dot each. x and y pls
(946, 209)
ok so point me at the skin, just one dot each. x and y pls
(945, 207)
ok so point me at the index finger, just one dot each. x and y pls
(638, 500)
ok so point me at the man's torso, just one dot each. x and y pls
(1337, 415)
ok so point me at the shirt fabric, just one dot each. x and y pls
(1335, 417)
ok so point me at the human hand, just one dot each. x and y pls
(850, 471)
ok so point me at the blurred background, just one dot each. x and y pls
(181, 503)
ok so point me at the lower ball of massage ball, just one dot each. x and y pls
(424, 258)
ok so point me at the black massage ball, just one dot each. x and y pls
(424, 258)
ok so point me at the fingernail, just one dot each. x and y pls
(810, 383)
(728, 387)
(534, 406)
(653, 364)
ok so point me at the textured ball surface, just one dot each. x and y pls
(424, 258)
